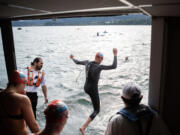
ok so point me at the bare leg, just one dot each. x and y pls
(84, 126)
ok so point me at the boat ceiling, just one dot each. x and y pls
(42, 9)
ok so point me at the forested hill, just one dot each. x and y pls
(133, 19)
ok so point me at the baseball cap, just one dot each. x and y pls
(131, 91)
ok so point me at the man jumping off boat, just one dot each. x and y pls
(93, 70)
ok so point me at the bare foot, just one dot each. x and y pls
(82, 131)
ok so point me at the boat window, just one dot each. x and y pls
(55, 40)
(3, 71)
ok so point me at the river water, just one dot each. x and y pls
(65, 80)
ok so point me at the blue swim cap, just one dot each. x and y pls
(99, 54)
(18, 77)
(57, 106)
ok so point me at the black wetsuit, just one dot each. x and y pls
(93, 71)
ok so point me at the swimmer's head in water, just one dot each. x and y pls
(56, 109)
(18, 77)
(99, 57)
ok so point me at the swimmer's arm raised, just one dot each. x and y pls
(113, 66)
(80, 62)
(77, 61)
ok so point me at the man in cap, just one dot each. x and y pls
(56, 115)
(93, 70)
(135, 118)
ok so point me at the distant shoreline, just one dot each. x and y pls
(84, 25)
(137, 19)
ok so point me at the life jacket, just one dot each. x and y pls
(136, 114)
(30, 81)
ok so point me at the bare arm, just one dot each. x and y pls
(44, 89)
(29, 115)
(78, 62)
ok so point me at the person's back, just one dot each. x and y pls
(15, 112)
(135, 118)
(119, 125)
(11, 118)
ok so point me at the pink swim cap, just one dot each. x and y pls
(57, 107)
(99, 54)
(18, 77)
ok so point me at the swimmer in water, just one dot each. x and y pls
(126, 58)
(93, 70)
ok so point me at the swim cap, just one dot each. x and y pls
(57, 107)
(18, 77)
(99, 54)
(131, 91)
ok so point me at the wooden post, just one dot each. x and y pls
(8, 45)
(165, 70)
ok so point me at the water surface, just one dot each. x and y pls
(65, 80)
